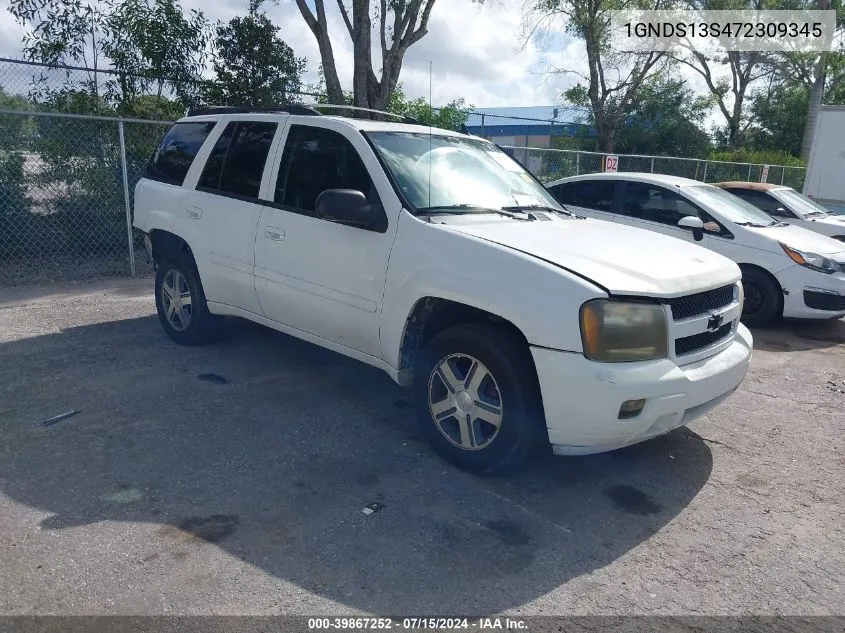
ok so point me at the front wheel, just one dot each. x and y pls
(762, 298)
(181, 305)
(478, 400)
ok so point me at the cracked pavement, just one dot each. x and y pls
(174, 494)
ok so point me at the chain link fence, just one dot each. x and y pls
(552, 164)
(73, 146)
(65, 195)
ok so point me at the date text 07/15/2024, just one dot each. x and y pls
(417, 623)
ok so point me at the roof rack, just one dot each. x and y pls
(289, 109)
(306, 110)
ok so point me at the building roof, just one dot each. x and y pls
(517, 115)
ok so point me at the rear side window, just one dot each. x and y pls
(590, 194)
(656, 204)
(762, 201)
(236, 163)
(176, 152)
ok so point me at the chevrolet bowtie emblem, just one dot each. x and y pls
(714, 322)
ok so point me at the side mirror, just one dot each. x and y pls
(694, 223)
(344, 206)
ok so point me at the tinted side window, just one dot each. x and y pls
(591, 194)
(762, 201)
(314, 160)
(210, 177)
(656, 204)
(236, 163)
(172, 160)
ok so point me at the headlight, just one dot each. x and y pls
(739, 295)
(813, 261)
(617, 332)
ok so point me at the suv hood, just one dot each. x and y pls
(800, 238)
(623, 260)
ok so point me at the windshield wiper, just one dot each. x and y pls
(541, 207)
(474, 208)
(756, 225)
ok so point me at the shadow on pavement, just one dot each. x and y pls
(274, 460)
(800, 335)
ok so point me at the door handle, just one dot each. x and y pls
(194, 212)
(275, 234)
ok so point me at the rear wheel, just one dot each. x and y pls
(478, 400)
(762, 298)
(181, 304)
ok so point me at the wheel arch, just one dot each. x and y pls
(430, 315)
(744, 266)
(165, 243)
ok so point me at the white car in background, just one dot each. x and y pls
(786, 270)
(786, 204)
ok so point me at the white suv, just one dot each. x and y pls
(437, 258)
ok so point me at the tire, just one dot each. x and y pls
(193, 324)
(762, 298)
(508, 394)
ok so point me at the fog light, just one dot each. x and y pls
(631, 409)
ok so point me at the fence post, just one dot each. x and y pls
(749, 172)
(704, 179)
(578, 162)
(125, 170)
(483, 133)
(697, 165)
(652, 164)
(782, 174)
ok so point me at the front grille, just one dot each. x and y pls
(701, 303)
(690, 344)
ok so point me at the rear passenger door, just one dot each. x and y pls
(593, 197)
(655, 208)
(226, 206)
(316, 275)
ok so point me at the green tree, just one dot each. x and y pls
(613, 80)
(153, 42)
(452, 116)
(63, 32)
(253, 66)
(665, 119)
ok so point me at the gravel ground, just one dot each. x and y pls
(230, 479)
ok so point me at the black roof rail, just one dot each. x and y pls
(300, 109)
(292, 108)
(333, 106)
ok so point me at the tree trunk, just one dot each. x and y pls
(816, 94)
(362, 28)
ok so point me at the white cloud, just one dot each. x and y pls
(476, 52)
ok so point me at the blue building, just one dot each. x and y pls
(530, 126)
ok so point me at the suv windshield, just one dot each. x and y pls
(799, 203)
(462, 174)
(728, 206)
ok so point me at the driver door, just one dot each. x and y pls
(316, 275)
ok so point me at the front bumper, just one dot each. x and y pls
(581, 398)
(812, 295)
